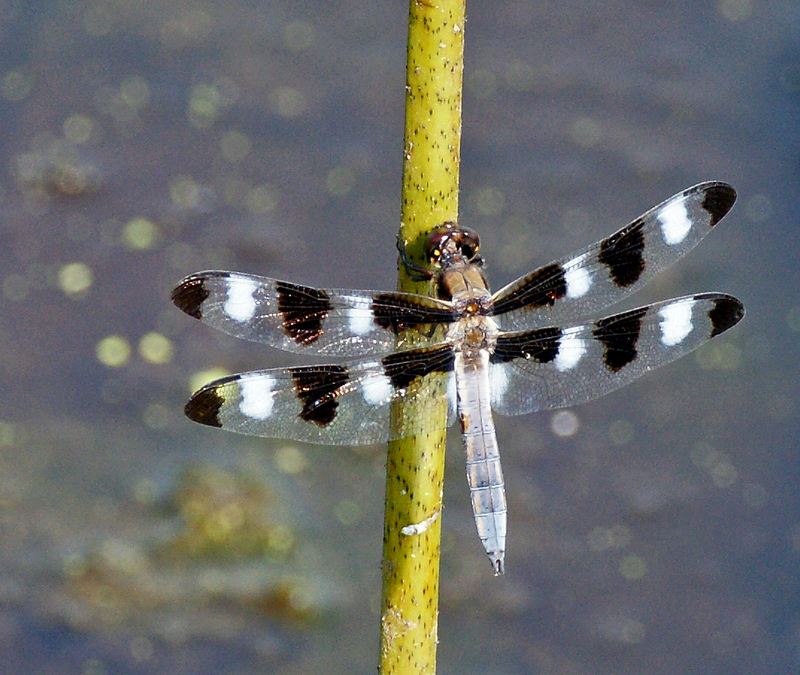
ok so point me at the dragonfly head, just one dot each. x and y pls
(450, 244)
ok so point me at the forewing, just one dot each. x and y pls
(303, 319)
(617, 266)
(343, 404)
(549, 368)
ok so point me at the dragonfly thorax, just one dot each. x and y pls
(474, 333)
(465, 285)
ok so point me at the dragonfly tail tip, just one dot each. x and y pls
(498, 565)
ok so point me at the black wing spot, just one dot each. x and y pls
(190, 295)
(403, 368)
(718, 201)
(303, 309)
(725, 313)
(623, 254)
(539, 345)
(398, 314)
(204, 407)
(619, 335)
(542, 287)
(318, 388)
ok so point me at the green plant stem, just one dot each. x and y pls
(415, 465)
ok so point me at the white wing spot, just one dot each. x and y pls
(498, 381)
(360, 317)
(257, 396)
(676, 322)
(376, 388)
(240, 304)
(577, 277)
(675, 223)
(452, 392)
(571, 349)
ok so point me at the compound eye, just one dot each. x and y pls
(435, 244)
(470, 244)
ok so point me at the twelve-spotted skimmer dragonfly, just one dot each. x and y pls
(513, 352)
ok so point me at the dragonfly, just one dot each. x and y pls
(525, 348)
